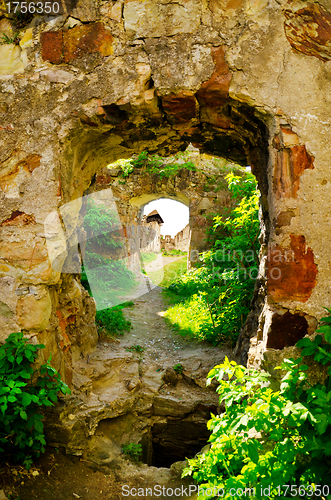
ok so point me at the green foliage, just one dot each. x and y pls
(112, 321)
(148, 257)
(107, 278)
(270, 437)
(126, 167)
(224, 279)
(172, 253)
(153, 164)
(135, 348)
(178, 368)
(23, 393)
(104, 273)
(168, 274)
(133, 451)
(191, 317)
(104, 223)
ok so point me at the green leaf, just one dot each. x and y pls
(19, 360)
(23, 415)
(38, 425)
(26, 399)
(253, 453)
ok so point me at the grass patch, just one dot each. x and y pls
(174, 252)
(190, 317)
(170, 272)
(112, 321)
(148, 257)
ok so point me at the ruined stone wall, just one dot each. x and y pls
(248, 80)
(150, 238)
(182, 239)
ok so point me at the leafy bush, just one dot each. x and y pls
(225, 276)
(277, 442)
(133, 451)
(22, 393)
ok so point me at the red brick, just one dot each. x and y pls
(52, 46)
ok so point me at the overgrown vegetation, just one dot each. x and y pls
(105, 275)
(148, 257)
(173, 252)
(213, 299)
(158, 165)
(178, 368)
(273, 443)
(23, 395)
(154, 164)
(133, 451)
(169, 273)
(112, 321)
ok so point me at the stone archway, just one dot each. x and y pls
(124, 80)
(204, 191)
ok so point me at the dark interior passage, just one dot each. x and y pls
(176, 440)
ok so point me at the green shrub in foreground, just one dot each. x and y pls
(270, 438)
(23, 393)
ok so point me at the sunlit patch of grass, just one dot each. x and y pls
(170, 272)
(189, 316)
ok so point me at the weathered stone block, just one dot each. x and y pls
(10, 59)
(150, 18)
(34, 311)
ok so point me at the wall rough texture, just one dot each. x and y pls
(247, 80)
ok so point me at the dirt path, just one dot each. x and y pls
(59, 477)
(162, 345)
